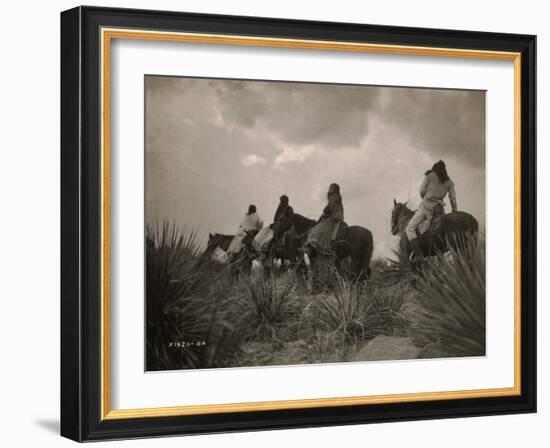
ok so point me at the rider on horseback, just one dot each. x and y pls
(435, 186)
(250, 226)
(326, 229)
(275, 232)
(283, 220)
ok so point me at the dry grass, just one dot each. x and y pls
(452, 299)
(265, 305)
(272, 320)
(184, 292)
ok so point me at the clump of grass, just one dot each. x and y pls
(265, 303)
(267, 319)
(330, 347)
(336, 310)
(185, 328)
(351, 313)
(451, 315)
(392, 271)
(383, 314)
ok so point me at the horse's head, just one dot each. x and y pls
(398, 210)
(213, 241)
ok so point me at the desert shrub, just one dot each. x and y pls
(343, 307)
(330, 347)
(265, 305)
(184, 325)
(338, 309)
(383, 313)
(392, 271)
(451, 315)
(359, 310)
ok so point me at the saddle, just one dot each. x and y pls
(282, 239)
(329, 246)
(426, 230)
(339, 234)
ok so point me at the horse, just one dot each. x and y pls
(218, 240)
(454, 229)
(355, 243)
(288, 249)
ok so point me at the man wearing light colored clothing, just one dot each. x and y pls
(435, 186)
(251, 223)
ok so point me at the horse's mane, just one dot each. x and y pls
(403, 209)
(402, 215)
(302, 220)
(302, 224)
(218, 239)
(221, 235)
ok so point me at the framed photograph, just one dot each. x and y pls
(272, 223)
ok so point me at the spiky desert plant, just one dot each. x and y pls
(383, 315)
(452, 301)
(265, 304)
(391, 271)
(338, 309)
(185, 328)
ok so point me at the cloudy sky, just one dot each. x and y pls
(215, 146)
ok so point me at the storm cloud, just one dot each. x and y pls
(215, 146)
(298, 113)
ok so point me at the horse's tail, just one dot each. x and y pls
(472, 229)
(466, 232)
(475, 229)
(368, 254)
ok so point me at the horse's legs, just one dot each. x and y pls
(309, 263)
(338, 265)
(309, 272)
(234, 270)
(324, 264)
(356, 266)
(237, 265)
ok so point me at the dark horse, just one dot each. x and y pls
(356, 244)
(288, 249)
(455, 227)
(218, 240)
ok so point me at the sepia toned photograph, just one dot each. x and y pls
(292, 223)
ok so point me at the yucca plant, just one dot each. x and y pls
(392, 271)
(265, 304)
(185, 328)
(452, 299)
(338, 309)
(383, 313)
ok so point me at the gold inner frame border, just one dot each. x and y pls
(107, 36)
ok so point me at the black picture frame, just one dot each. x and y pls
(81, 224)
